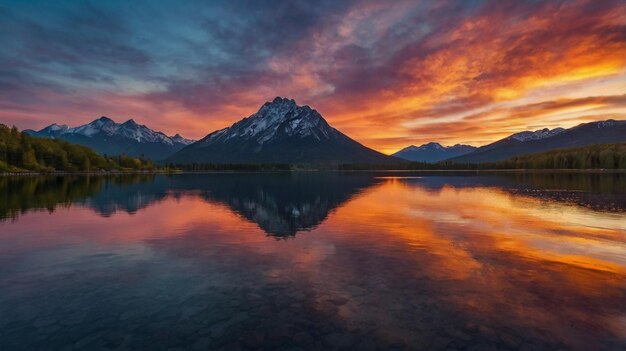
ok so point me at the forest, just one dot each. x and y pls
(21, 152)
(230, 167)
(601, 156)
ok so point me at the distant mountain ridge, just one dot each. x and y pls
(528, 142)
(284, 132)
(280, 132)
(433, 152)
(536, 135)
(106, 136)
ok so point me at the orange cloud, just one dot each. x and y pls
(389, 75)
(493, 59)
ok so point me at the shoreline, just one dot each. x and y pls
(157, 172)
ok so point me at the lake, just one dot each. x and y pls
(289, 261)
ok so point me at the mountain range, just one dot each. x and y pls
(282, 204)
(284, 132)
(529, 142)
(518, 144)
(280, 132)
(110, 138)
(433, 152)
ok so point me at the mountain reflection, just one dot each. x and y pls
(282, 204)
(23, 193)
(279, 203)
(596, 191)
(398, 260)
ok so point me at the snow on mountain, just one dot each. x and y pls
(536, 135)
(54, 129)
(141, 133)
(181, 140)
(279, 132)
(610, 123)
(101, 125)
(107, 127)
(433, 152)
(107, 137)
(432, 146)
(529, 142)
(264, 125)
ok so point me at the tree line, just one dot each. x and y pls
(19, 195)
(600, 156)
(230, 166)
(22, 152)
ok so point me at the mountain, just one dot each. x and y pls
(281, 204)
(110, 138)
(528, 142)
(433, 152)
(20, 152)
(280, 132)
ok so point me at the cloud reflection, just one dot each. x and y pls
(425, 257)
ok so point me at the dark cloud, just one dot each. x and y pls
(367, 65)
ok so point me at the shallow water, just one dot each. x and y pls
(313, 261)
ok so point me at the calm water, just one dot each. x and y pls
(313, 261)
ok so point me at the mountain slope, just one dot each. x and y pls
(110, 138)
(280, 132)
(603, 132)
(21, 152)
(433, 152)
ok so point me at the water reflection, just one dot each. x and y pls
(283, 203)
(393, 261)
(598, 191)
(280, 203)
(21, 194)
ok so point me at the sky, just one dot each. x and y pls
(387, 73)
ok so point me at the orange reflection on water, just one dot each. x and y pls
(530, 227)
(518, 258)
(476, 254)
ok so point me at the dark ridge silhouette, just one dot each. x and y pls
(281, 204)
(601, 132)
(280, 132)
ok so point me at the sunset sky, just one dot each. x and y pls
(386, 73)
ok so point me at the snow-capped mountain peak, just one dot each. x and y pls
(106, 136)
(410, 148)
(281, 131)
(101, 125)
(433, 152)
(281, 116)
(55, 128)
(141, 133)
(181, 140)
(536, 135)
(107, 127)
(433, 145)
(609, 123)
